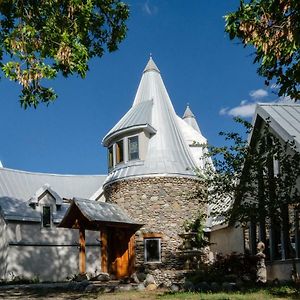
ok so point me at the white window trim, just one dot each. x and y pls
(139, 154)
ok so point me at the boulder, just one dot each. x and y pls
(134, 278)
(151, 287)
(101, 277)
(174, 288)
(188, 286)
(202, 286)
(140, 287)
(149, 280)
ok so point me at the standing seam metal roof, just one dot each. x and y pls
(168, 152)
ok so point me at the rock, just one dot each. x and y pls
(215, 287)
(80, 277)
(174, 288)
(101, 277)
(141, 276)
(84, 283)
(125, 287)
(229, 286)
(151, 287)
(134, 278)
(140, 287)
(90, 288)
(188, 286)
(72, 285)
(149, 280)
(202, 286)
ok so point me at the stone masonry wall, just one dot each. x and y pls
(163, 204)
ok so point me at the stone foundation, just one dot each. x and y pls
(163, 204)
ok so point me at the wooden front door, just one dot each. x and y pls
(120, 253)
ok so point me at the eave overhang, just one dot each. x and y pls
(145, 127)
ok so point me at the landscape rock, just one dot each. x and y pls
(202, 286)
(141, 287)
(151, 287)
(174, 288)
(134, 278)
(149, 280)
(188, 286)
(101, 277)
(215, 287)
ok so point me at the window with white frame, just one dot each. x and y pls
(152, 248)
(133, 147)
(46, 216)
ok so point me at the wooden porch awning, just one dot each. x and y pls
(94, 215)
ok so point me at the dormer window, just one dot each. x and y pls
(119, 151)
(46, 216)
(133, 148)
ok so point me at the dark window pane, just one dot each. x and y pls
(110, 157)
(133, 148)
(46, 216)
(152, 250)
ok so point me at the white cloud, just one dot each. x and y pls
(285, 99)
(258, 94)
(245, 110)
(149, 9)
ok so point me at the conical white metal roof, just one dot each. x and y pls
(168, 151)
(190, 119)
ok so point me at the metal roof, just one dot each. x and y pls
(190, 119)
(284, 119)
(168, 152)
(23, 185)
(97, 212)
(138, 115)
(17, 210)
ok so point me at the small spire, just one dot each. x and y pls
(151, 66)
(188, 113)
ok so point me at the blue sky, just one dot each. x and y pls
(198, 63)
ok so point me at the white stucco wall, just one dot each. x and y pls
(281, 270)
(51, 254)
(227, 240)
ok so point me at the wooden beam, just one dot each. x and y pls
(104, 258)
(81, 250)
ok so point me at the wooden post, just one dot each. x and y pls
(104, 258)
(81, 250)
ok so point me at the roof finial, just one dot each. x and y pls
(188, 104)
(150, 55)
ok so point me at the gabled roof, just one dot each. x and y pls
(284, 119)
(168, 153)
(43, 189)
(95, 214)
(23, 185)
(190, 119)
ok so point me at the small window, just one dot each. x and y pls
(46, 216)
(119, 152)
(133, 148)
(110, 157)
(152, 250)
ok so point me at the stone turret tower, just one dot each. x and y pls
(152, 156)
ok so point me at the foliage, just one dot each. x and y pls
(244, 176)
(228, 268)
(197, 226)
(273, 28)
(40, 39)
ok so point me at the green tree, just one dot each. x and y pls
(272, 27)
(244, 186)
(40, 39)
